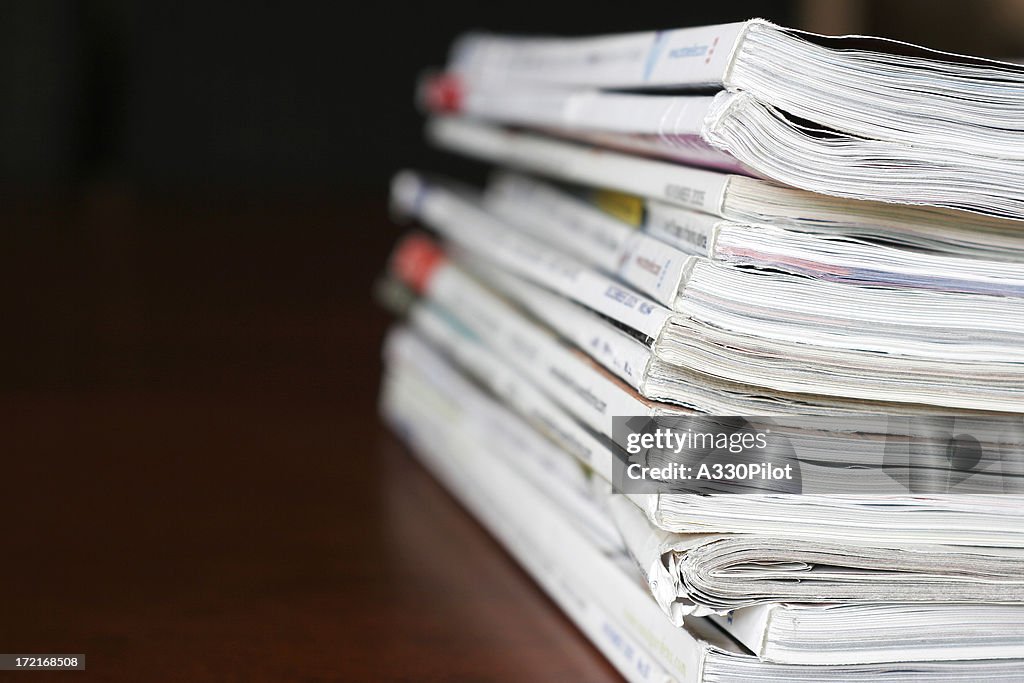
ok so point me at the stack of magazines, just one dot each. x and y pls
(729, 351)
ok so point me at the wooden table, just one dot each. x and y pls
(197, 486)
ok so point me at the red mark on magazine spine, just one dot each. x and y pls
(711, 51)
(416, 260)
(443, 94)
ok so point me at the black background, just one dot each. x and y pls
(279, 94)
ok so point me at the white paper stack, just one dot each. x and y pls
(447, 419)
(888, 341)
(853, 117)
(829, 246)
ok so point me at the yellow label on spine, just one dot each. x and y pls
(626, 207)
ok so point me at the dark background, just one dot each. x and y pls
(289, 94)
(192, 214)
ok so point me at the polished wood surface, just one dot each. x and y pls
(197, 486)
